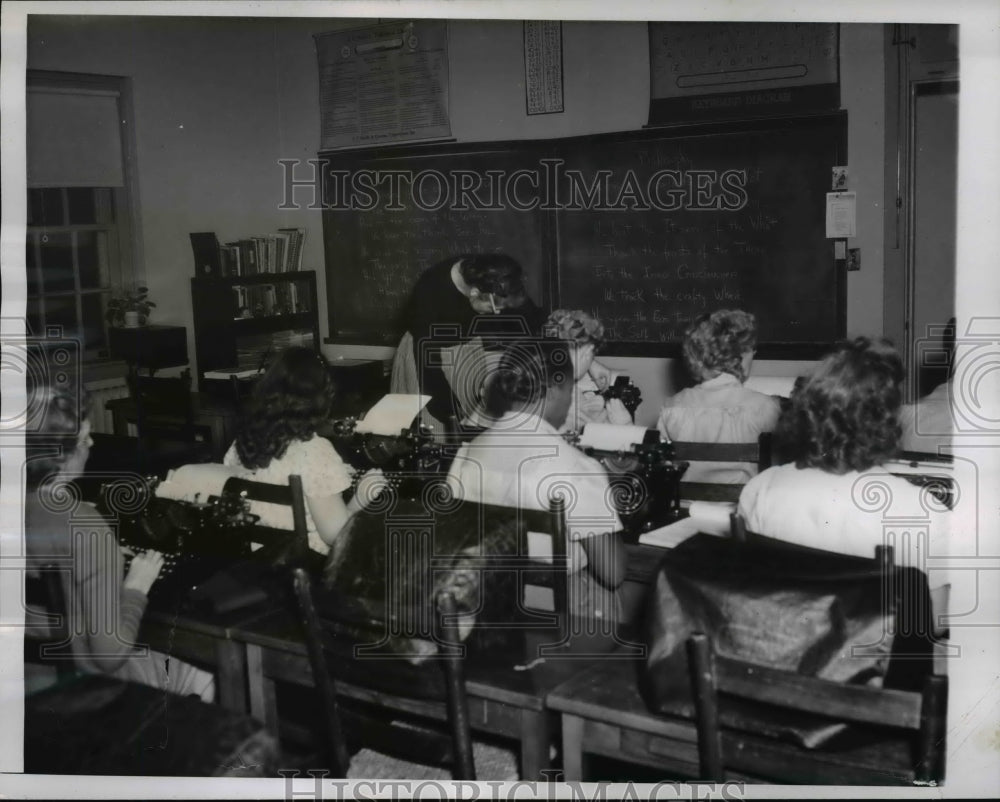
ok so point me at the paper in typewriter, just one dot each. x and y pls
(392, 414)
(611, 436)
(709, 517)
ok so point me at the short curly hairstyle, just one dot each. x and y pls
(495, 273)
(55, 417)
(288, 404)
(576, 326)
(524, 374)
(715, 343)
(844, 415)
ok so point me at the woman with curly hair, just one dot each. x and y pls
(841, 426)
(585, 333)
(521, 460)
(718, 352)
(278, 438)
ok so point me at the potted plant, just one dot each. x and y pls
(128, 307)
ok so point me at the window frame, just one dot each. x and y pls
(124, 241)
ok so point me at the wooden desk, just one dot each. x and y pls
(506, 694)
(216, 415)
(603, 713)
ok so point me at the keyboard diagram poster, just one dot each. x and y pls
(385, 83)
(706, 69)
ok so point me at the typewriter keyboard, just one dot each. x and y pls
(169, 560)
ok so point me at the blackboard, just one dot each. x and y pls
(382, 227)
(645, 229)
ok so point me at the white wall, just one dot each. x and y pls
(219, 101)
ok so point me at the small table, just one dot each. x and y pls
(217, 416)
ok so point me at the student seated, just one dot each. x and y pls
(585, 334)
(278, 438)
(104, 604)
(521, 460)
(843, 423)
(718, 352)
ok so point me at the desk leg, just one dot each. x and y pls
(263, 705)
(572, 739)
(535, 742)
(230, 661)
(118, 423)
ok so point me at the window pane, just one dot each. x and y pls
(104, 205)
(57, 262)
(33, 308)
(91, 255)
(33, 284)
(93, 321)
(62, 312)
(81, 205)
(45, 207)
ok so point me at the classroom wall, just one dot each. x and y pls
(219, 101)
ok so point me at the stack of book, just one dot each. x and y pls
(271, 253)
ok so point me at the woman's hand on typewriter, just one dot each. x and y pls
(144, 570)
(617, 412)
(370, 487)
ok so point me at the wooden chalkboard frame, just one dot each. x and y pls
(548, 224)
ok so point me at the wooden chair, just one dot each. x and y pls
(96, 724)
(758, 453)
(283, 545)
(165, 418)
(922, 714)
(390, 706)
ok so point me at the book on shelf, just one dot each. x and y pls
(296, 236)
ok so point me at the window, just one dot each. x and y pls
(81, 220)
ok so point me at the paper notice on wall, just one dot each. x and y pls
(386, 83)
(841, 214)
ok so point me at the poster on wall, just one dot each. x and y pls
(543, 67)
(725, 70)
(384, 83)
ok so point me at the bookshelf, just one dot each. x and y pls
(240, 322)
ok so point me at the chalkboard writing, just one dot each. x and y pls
(730, 220)
(644, 229)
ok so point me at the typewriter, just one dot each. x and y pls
(410, 459)
(197, 539)
(645, 479)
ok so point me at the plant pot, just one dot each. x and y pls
(132, 320)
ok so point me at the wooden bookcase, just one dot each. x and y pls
(240, 322)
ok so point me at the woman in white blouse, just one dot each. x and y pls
(278, 438)
(718, 352)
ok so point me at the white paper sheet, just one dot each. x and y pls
(195, 483)
(711, 518)
(392, 414)
(611, 436)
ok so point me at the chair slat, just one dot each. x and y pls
(837, 700)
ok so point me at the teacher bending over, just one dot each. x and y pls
(453, 300)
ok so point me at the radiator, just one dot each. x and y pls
(101, 392)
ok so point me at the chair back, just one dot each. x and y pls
(165, 416)
(47, 637)
(758, 453)
(437, 730)
(902, 704)
(286, 545)
(922, 714)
